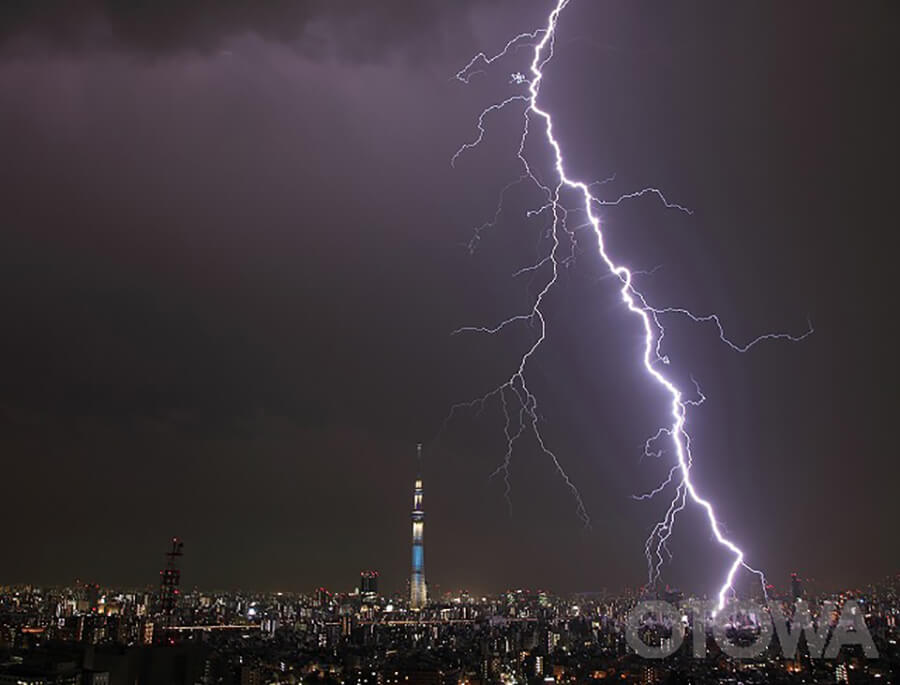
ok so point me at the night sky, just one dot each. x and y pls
(233, 252)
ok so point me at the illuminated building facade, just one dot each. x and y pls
(418, 593)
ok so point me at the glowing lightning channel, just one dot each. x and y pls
(515, 389)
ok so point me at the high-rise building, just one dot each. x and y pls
(796, 587)
(92, 596)
(368, 583)
(169, 579)
(323, 598)
(418, 593)
(146, 632)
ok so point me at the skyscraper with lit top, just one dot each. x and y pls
(418, 593)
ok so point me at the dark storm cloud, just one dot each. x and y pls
(322, 28)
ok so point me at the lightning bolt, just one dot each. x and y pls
(518, 404)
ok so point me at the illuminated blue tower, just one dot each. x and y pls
(418, 594)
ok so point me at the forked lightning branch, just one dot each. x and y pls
(517, 402)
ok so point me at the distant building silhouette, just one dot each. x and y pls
(323, 598)
(169, 580)
(368, 583)
(796, 587)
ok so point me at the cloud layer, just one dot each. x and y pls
(321, 28)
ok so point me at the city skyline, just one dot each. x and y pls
(87, 636)
(415, 590)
